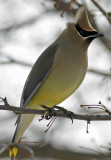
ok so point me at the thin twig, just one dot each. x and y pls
(102, 10)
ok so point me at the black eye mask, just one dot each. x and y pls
(84, 33)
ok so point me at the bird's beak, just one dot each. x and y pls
(96, 35)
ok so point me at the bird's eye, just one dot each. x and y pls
(81, 32)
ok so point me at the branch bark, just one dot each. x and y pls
(90, 117)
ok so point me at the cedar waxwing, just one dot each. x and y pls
(58, 72)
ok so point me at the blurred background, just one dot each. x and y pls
(27, 28)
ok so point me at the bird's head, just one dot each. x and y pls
(82, 29)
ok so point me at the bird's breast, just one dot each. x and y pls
(67, 73)
(69, 70)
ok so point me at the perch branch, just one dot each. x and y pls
(90, 117)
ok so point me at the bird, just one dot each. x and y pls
(58, 71)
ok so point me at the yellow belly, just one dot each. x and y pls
(60, 84)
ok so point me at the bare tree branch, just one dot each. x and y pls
(20, 24)
(19, 110)
(99, 72)
(11, 60)
(14, 61)
(102, 10)
(26, 22)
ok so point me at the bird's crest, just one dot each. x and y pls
(81, 18)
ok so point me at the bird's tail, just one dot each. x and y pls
(22, 124)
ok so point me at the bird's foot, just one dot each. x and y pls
(66, 112)
(49, 114)
(52, 112)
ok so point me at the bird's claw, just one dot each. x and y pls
(51, 112)
(66, 112)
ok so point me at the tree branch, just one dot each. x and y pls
(25, 22)
(99, 72)
(14, 61)
(11, 60)
(102, 10)
(19, 110)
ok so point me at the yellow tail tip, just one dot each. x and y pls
(13, 152)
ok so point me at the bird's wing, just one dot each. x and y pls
(38, 74)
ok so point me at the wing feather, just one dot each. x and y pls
(38, 74)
